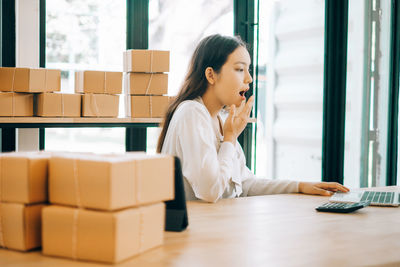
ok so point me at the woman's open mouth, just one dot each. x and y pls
(242, 93)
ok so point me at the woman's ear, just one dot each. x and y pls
(210, 75)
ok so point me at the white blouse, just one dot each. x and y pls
(213, 169)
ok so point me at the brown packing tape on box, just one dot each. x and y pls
(110, 182)
(98, 82)
(146, 106)
(16, 104)
(23, 177)
(146, 83)
(20, 226)
(100, 105)
(108, 237)
(140, 60)
(58, 105)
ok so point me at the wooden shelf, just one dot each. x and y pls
(77, 120)
(35, 120)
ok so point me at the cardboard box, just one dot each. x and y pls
(23, 177)
(20, 226)
(98, 82)
(110, 182)
(16, 104)
(29, 80)
(139, 60)
(146, 83)
(58, 105)
(7, 78)
(108, 237)
(100, 105)
(146, 106)
(52, 81)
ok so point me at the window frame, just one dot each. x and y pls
(394, 76)
(8, 59)
(244, 23)
(334, 97)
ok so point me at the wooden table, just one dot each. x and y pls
(275, 230)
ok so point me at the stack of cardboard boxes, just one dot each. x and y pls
(106, 208)
(100, 92)
(146, 83)
(23, 193)
(27, 92)
(18, 84)
(35, 91)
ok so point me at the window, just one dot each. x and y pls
(85, 35)
(178, 26)
(290, 89)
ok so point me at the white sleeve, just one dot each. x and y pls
(257, 187)
(207, 170)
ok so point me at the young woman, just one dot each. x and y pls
(213, 161)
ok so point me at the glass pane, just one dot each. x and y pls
(367, 93)
(85, 35)
(290, 89)
(357, 118)
(152, 138)
(178, 26)
(99, 140)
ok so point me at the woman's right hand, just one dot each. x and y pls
(235, 123)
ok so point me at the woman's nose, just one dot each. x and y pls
(248, 78)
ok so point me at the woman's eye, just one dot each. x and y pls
(240, 70)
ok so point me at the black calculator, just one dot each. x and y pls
(342, 207)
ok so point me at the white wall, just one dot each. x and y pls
(27, 33)
(27, 55)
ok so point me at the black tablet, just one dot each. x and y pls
(176, 218)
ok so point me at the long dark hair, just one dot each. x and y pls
(212, 51)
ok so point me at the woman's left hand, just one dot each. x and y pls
(321, 188)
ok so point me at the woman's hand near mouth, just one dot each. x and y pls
(235, 123)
